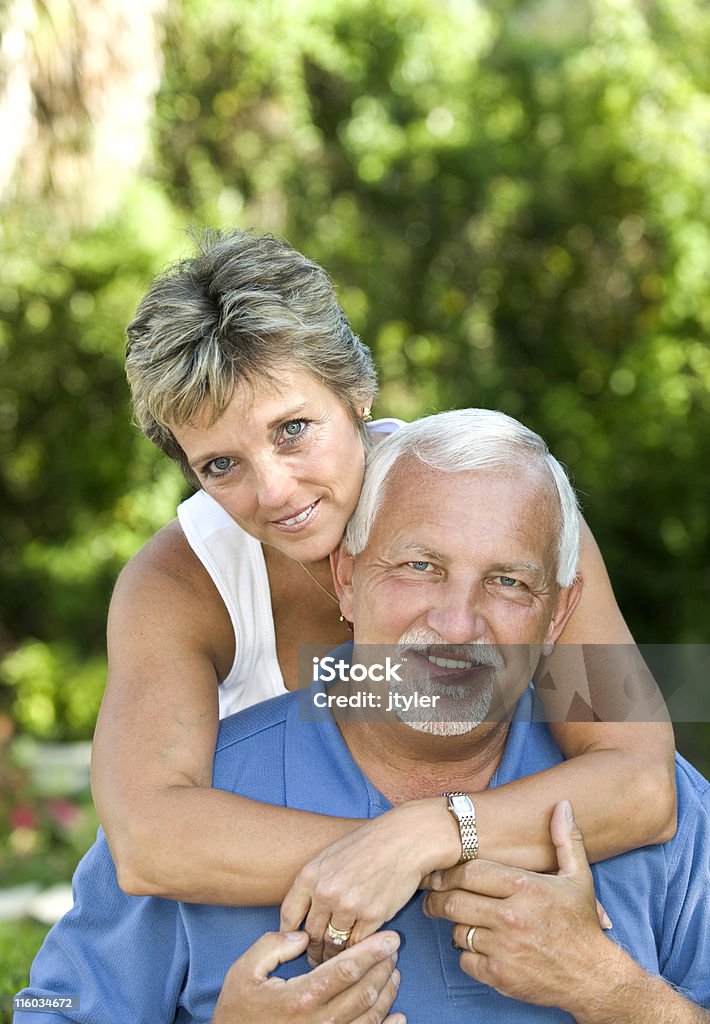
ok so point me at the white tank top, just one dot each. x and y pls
(235, 562)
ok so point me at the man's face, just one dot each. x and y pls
(459, 576)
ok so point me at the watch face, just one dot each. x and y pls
(461, 805)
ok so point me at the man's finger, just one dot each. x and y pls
(481, 876)
(272, 949)
(344, 970)
(472, 939)
(368, 998)
(568, 840)
(455, 905)
(384, 1001)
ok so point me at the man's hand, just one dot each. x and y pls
(357, 987)
(365, 878)
(536, 936)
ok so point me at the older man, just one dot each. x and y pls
(461, 559)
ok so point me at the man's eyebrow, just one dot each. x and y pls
(421, 551)
(523, 567)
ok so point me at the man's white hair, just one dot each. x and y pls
(458, 442)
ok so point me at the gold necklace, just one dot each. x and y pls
(321, 587)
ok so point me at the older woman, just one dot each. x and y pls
(244, 369)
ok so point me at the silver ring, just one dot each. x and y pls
(338, 937)
(469, 939)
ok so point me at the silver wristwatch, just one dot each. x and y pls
(461, 806)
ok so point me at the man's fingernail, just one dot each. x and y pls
(606, 921)
(568, 813)
(311, 961)
(294, 936)
(396, 978)
(391, 942)
(436, 880)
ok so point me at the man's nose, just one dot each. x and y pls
(458, 612)
(275, 483)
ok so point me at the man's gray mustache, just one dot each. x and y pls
(479, 654)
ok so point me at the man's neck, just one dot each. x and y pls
(405, 765)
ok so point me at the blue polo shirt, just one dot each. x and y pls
(142, 960)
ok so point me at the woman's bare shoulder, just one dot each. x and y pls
(165, 586)
(167, 554)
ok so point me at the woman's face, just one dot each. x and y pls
(284, 459)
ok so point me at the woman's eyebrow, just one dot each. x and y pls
(289, 414)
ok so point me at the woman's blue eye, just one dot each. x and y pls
(294, 430)
(219, 465)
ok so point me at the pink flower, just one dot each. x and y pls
(23, 816)
(64, 813)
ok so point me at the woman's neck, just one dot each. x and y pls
(303, 613)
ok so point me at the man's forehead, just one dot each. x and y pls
(412, 482)
(429, 511)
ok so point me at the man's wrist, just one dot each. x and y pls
(610, 988)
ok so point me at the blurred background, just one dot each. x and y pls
(513, 199)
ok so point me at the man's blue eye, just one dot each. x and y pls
(420, 566)
(507, 581)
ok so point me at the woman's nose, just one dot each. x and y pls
(275, 483)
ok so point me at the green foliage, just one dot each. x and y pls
(515, 204)
(514, 200)
(19, 943)
(80, 490)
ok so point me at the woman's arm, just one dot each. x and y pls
(169, 641)
(620, 772)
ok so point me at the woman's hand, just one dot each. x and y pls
(362, 880)
(357, 988)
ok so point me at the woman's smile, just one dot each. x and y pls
(298, 520)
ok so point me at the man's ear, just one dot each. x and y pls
(565, 604)
(341, 564)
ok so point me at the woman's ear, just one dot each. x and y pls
(341, 564)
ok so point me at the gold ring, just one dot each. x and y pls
(469, 939)
(338, 937)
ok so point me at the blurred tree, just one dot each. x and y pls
(513, 199)
(77, 490)
(77, 82)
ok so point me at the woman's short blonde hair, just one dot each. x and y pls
(243, 308)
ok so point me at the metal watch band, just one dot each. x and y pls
(465, 813)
